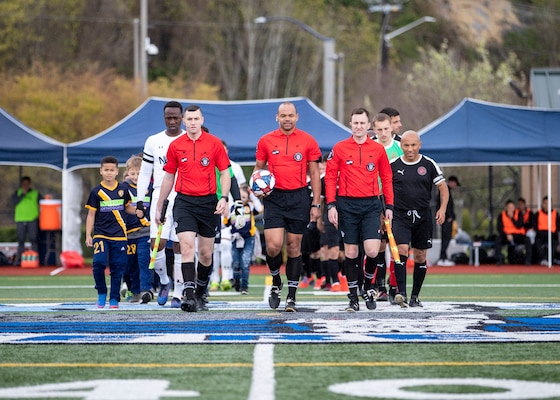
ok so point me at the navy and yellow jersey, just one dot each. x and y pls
(109, 204)
(133, 223)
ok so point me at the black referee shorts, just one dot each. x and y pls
(359, 218)
(195, 214)
(288, 209)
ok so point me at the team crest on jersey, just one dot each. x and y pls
(370, 167)
(205, 161)
(298, 156)
(349, 162)
(121, 193)
(331, 155)
(184, 159)
(275, 152)
(421, 171)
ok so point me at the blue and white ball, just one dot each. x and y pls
(262, 182)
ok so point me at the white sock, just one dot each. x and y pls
(161, 267)
(177, 277)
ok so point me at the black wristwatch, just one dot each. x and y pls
(225, 198)
(316, 206)
(331, 205)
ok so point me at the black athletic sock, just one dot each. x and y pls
(307, 267)
(316, 266)
(381, 272)
(400, 275)
(202, 274)
(324, 271)
(369, 271)
(332, 274)
(418, 276)
(274, 264)
(293, 272)
(189, 276)
(351, 267)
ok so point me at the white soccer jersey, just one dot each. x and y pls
(154, 158)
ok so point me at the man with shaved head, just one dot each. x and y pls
(413, 178)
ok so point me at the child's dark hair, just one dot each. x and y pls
(109, 160)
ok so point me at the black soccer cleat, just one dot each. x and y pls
(370, 297)
(353, 305)
(189, 305)
(201, 303)
(414, 302)
(290, 305)
(274, 297)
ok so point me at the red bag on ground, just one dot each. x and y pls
(71, 259)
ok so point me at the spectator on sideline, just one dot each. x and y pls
(26, 216)
(106, 231)
(414, 176)
(354, 168)
(447, 226)
(154, 157)
(509, 226)
(192, 159)
(541, 226)
(287, 210)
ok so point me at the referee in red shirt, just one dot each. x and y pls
(352, 196)
(194, 157)
(290, 153)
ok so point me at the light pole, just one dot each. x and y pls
(142, 48)
(386, 37)
(329, 59)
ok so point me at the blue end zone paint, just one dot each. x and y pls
(134, 327)
(527, 325)
(321, 323)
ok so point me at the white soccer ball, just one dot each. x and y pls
(262, 182)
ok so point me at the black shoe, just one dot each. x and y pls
(391, 296)
(414, 302)
(370, 297)
(353, 305)
(146, 296)
(274, 298)
(290, 305)
(188, 305)
(201, 303)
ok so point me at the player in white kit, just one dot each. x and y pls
(153, 159)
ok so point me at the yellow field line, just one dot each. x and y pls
(286, 364)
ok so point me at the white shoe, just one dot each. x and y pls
(445, 263)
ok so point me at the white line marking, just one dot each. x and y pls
(263, 383)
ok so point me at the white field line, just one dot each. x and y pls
(263, 383)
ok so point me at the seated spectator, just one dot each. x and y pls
(541, 226)
(511, 233)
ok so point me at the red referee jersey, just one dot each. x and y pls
(353, 170)
(196, 162)
(287, 156)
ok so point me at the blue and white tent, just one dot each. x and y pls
(239, 123)
(478, 132)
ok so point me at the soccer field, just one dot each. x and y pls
(477, 337)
